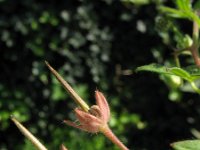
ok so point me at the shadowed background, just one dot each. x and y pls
(92, 44)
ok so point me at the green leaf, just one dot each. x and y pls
(180, 72)
(137, 2)
(183, 5)
(184, 11)
(194, 71)
(173, 12)
(165, 70)
(190, 73)
(187, 145)
(154, 68)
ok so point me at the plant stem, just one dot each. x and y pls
(69, 89)
(62, 147)
(195, 55)
(195, 46)
(28, 135)
(177, 60)
(195, 88)
(195, 33)
(110, 135)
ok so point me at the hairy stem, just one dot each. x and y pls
(69, 89)
(110, 135)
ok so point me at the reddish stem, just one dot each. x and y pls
(195, 55)
(62, 147)
(110, 135)
(195, 46)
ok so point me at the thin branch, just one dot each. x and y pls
(195, 46)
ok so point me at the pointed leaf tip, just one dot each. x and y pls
(28, 134)
(62, 147)
(68, 88)
(186, 145)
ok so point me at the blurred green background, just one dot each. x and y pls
(93, 44)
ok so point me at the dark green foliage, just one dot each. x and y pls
(90, 43)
